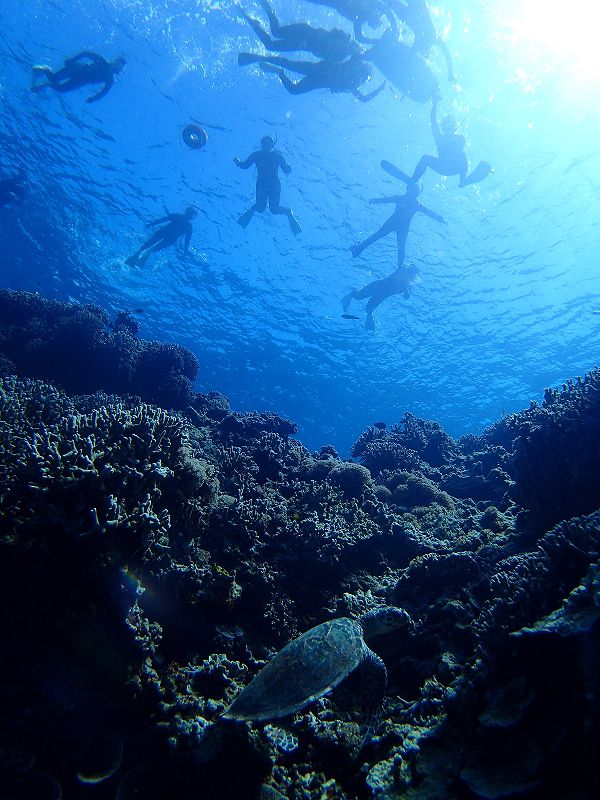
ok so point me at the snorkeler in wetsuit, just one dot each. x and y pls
(80, 70)
(417, 16)
(333, 45)
(344, 76)
(451, 158)
(407, 206)
(360, 13)
(398, 282)
(177, 225)
(268, 162)
(12, 190)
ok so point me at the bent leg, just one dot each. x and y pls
(376, 299)
(300, 87)
(162, 243)
(433, 162)
(262, 34)
(153, 240)
(273, 21)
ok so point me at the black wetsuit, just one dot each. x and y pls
(80, 70)
(268, 185)
(178, 225)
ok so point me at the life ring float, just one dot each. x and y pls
(194, 136)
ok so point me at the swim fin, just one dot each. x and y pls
(481, 171)
(245, 218)
(132, 260)
(395, 172)
(294, 224)
(248, 58)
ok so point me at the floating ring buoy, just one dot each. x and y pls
(194, 137)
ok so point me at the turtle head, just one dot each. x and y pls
(384, 619)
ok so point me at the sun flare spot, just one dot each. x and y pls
(565, 40)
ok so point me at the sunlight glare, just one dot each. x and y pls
(567, 38)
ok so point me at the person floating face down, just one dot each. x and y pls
(342, 76)
(417, 16)
(330, 45)
(81, 70)
(407, 206)
(268, 162)
(176, 227)
(398, 282)
(451, 158)
(12, 190)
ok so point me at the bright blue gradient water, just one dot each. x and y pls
(508, 297)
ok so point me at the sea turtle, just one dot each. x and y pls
(313, 664)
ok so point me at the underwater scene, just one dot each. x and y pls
(299, 400)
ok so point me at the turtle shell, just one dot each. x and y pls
(305, 669)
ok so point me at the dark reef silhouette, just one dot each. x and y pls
(151, 560)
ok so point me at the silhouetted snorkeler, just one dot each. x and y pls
(407, 206)
(268, 162)
(344, 76)
(451, 158)
(81, 70)
(178, 225)
(398, 282)
(194, 136)
(12, 190)
(417, 16)
(360, 13)
(333, 45)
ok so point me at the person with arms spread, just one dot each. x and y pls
(268, 162)
(177, 225)
(81, 70)
(407, 206)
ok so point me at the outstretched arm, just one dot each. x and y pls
(246, 163)
(284, 165)
(437, 217)
(364, 98)
(168, 218)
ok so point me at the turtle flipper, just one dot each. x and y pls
(374, 680)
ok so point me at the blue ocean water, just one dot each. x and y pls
(508, 298)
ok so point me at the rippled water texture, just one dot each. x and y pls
(507, 303)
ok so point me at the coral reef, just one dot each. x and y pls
(152, 561)
(50, 340)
